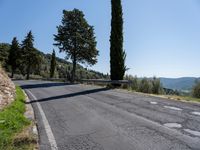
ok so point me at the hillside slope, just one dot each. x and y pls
(64, 68)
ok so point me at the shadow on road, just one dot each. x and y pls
(70, 95)
(43, 85)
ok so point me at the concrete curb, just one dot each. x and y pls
(29, 114)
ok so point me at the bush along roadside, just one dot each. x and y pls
(14, 126)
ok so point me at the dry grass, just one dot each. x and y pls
(25, 139)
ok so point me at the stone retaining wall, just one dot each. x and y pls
(7, 89)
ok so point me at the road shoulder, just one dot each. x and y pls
(29, 114)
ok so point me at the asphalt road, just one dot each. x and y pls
(79, 117)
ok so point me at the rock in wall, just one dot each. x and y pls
(7, 89)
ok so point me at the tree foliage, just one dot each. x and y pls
(76, 38)
(14, 55)
(117, 54)
(29, 55)
(4, 52)
(53, 64)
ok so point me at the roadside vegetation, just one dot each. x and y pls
(153, 86)
(13, 125)
(144, 85)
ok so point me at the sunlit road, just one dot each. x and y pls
(79, 117)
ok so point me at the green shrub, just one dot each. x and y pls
(156, 86)
(145, 86)
(196, 90)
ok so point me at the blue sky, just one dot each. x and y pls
(161, 37)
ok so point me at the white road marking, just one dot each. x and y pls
(47, 127)
(153, 103)
(196, 133)
(195, 113)
(173, 108)
(173, 125)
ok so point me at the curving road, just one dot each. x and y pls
(79, 117)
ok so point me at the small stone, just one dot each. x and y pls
(153, 103)
(6, 92)
(35, 130)
(173, 125)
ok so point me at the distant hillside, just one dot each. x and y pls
(63, 69)
(182, 84)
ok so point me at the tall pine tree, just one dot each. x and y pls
(117, 54)
(76, 38)
(13, 57)
(53, 64)
(30, 56)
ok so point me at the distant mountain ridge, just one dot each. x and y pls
(181, 84)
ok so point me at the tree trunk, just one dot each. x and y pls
(74, 70)
(74, 63)
(28, 72)
(12, 75)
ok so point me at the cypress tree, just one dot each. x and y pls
(53, 64)
(13, 57)
(117, 54)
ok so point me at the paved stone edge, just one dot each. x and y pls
(29, 114)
